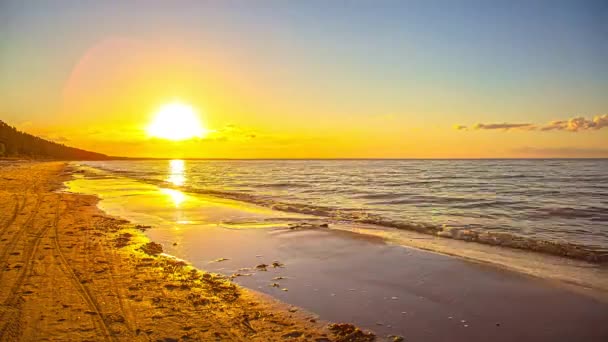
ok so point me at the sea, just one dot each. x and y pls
(557, 206)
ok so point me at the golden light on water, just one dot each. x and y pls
(176, 121)
(177, 172)
(176, 196)
(176, 177)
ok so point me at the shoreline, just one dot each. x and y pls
(587, 277)
(346, 275)
(65, 277)
(502, 240)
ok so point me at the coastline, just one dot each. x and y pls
(71, 272)
(500, 239)
(346, 273)
(585, 276)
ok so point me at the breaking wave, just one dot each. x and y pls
(532, 215)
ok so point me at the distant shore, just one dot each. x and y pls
(65, 278)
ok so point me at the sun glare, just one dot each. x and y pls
(176, 172)
(176, 121)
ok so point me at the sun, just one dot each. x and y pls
(176, 121)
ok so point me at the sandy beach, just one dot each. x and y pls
(71, 273)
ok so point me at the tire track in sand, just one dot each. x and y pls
(20, 230)
(11, 329)
(18, 208)
(9, 220)
(128, 316)
(82, 290)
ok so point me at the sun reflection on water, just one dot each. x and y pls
(176, 172)
(176, 196)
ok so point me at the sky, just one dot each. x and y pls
(312, 79)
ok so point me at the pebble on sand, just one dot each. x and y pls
(220, 259)
(262, 267)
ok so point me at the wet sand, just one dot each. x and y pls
(344, 276)
(70, 273)
(395, 290)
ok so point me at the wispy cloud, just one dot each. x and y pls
(231, 132)
(575, 124)
(54, 138)
(504, 126)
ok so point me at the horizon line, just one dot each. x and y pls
(363, 158)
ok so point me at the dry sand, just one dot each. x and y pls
(64, 277)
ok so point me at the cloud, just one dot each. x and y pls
(575, 124)
(504, 126)
(578, 123)
(54, 138)
(231, 132)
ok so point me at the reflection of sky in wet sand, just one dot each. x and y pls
(176, 196)
(177, 174)
(172, 208)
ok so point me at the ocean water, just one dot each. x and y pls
(553, 206)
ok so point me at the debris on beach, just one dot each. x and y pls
(234, 275)
(142, 227)
(348, 332)
(262, 267)
(307, 225)
(278, 278)
(285, 289)
(123, 240)
(293, 334)
(152, 248)
(219, 260)
(276, 264)
(274, 285)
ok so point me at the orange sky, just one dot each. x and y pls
(270, 86)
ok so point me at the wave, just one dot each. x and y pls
(283, 185)
(491, 204)
(378, 195)
(594, 213)
(484, 236)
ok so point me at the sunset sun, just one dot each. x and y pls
(176, 121)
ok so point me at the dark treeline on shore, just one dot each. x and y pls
(14, 143)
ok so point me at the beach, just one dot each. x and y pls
(67, 274)
(70, 271)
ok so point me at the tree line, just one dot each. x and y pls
(14, 143)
